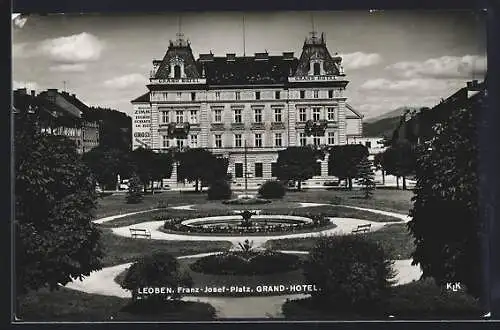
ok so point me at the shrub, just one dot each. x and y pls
(134, 193)
(158, 270)
(350, 272)
(219, 190)
(272, 189)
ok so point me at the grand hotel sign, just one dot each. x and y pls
(168, 81)
(312, 78)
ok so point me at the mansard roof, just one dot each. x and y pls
(247, 70)
(141, 99)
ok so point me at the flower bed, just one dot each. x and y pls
(264, 227)
(246, 263)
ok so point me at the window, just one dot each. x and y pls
(316, 94)
(238, 170)
(237, 115)
(179, 96)
(317, 69)
(193, 96)
(193, 118)
(331, 138)
(193, 140)
(217, 95)
(302, 139)
(258, 170)
(277, 95)
(316, 114)
(258, 140)
(164, 116)
(258, 115)
(217, 115)
(330, 94)
(237, 140)
(166, 141)
(274, 169)
(218, 141)
(317, 169)
(277, 115)
(177, 72)
(278, 140)
(302, 115)
(257, 95)
(179, 116)
(180, 143)
(331, 114)
(317, 140)
(238, 95)
(302, 94)
(368, 144)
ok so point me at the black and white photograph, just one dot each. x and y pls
(218, 166)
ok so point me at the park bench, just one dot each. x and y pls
(138, 232)
(362, 228)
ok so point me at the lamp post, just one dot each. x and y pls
(246, 169)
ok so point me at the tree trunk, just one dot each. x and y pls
(196, 185)
(397, 182)
(404, 183)
(350, 183)
(299, 185)
(383, 177)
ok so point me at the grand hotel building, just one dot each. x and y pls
(262, 101)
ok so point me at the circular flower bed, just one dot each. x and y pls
(222, 225)
(246, 263)
(247, 201)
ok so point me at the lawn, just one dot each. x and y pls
(74, 306)
(383, 199)
(274, 208)
(418, 300)
(119, 250)
(394, 238)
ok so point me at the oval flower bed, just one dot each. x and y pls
(246, 263)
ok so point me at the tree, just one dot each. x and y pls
(55, 197)
(134, 193)
(200, 164)
(150, 166)
(366, 177)
(399, 160)
(115, 129)
(344, 159)
(446, 221)
(297, 164)
(106, 163)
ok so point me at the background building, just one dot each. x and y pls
(264, 102)
(59, 113)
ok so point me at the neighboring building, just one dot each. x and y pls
(262, 100)
(59, 113)
(418, 127)
(375, 145)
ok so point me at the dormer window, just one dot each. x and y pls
(177, 72)
(317, 69)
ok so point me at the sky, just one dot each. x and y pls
(391, 58)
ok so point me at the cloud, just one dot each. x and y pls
(445, 67)
(412, 85)
(83, 47)
(359, 60)
(126, 81)
(79, 67)
(29, 85)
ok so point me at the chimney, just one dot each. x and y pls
(231, 57)
(52, 91)
(32, 93)
(74, 95)
(21, 91)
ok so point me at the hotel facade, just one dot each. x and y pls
(258, 105)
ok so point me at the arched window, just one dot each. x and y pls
(177, 72)
(317, 69)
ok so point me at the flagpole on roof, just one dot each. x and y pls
(244, 50)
